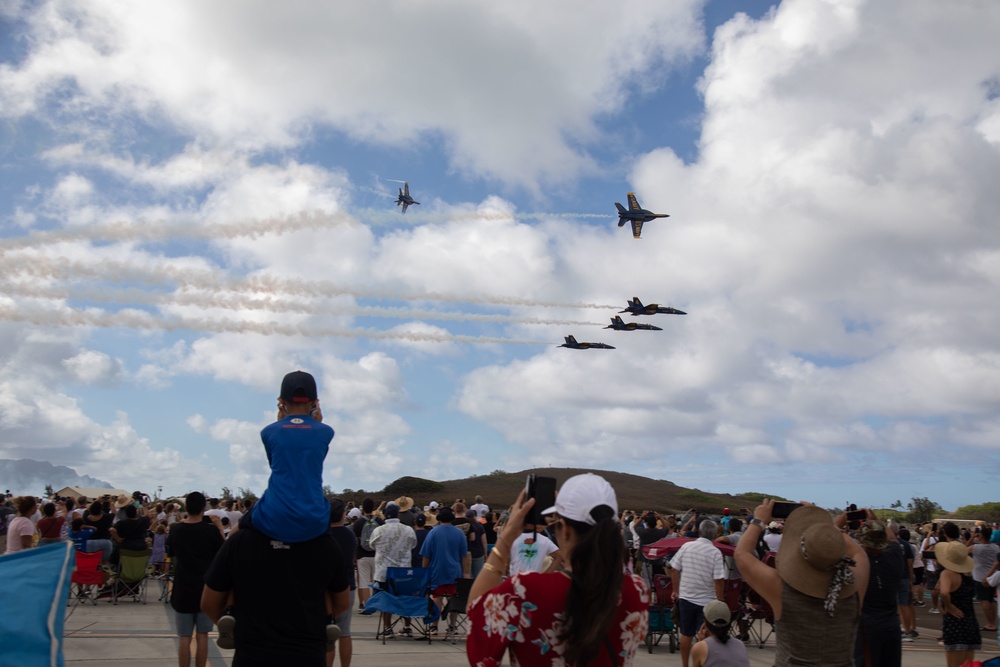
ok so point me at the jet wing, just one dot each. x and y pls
(633, 204)
(405, 204)
(636, 228)
(406, 189)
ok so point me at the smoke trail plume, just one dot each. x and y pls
(136, 319)
(229, 300)
(215, 280)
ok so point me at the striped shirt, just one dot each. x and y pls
(700, 564)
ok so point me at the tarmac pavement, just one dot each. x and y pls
(134, 633)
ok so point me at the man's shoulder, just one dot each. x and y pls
(201, 528)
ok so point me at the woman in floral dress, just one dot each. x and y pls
(589, 613)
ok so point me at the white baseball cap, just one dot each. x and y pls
(434, 505)
(580, 495)
(354, 513)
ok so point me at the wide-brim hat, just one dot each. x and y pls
(953, 556)
(122, 501)
(811, 548)
(405, 503)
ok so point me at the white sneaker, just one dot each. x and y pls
(332, 635)
(934, 610)
(226, 625)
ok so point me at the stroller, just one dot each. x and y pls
(661, 621)
(661, 613)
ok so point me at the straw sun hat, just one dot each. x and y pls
(953, 556)
(811, 558)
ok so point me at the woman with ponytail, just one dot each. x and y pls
(588, 614)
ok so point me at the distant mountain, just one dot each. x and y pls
(25, 476)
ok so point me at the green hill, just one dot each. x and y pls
(500, 488)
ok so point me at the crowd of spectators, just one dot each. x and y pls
(884, 569)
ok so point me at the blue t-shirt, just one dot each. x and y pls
(445, 546)
(81, 537)
(293, 508)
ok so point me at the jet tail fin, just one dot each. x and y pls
(621, 209)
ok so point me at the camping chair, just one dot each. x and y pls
(758, 611)
(33, 597)
(407, 595)
(760, 618)
(661, 621)
(88, 577)
(167, 580)
(132, 576)
(732, 595)
(456, 606)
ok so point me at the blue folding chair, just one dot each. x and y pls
(407, 595)
(34, 594)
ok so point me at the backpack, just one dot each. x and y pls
(366, 533)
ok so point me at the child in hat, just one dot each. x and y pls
(293, 508)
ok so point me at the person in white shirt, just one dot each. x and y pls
(529, 551)
(698, 577)
(216, 510)
(480, 508)
(773, 537)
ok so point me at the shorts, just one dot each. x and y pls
(186, 623)
(366, 571)
(930, 579)
(444, 590)
(692, 617)
(985, 593)
(904, 594)
(918, 576)
(344, 620)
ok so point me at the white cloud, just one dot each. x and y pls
(91, 366)
(231, 84)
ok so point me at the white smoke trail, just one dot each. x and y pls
(215, 280)
(229, 300)
(156, 231)
(136, 319)
(164, 231)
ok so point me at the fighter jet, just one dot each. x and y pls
(404, 196)
(618, 325)
(635, 307)
(572, 344)
(636, 215)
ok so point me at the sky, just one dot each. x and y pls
(197, 198)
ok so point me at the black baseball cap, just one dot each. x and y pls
(298, 387)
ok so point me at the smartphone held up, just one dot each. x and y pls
(543, 490)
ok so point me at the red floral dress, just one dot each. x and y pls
(525, 614)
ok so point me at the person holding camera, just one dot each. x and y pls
(590, 612)
(818, 581)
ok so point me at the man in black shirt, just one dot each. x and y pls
(192, 544)
(283, 595)
(344, 537)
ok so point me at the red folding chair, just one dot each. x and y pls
(86, 580)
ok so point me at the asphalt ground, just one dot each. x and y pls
(135, 633)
